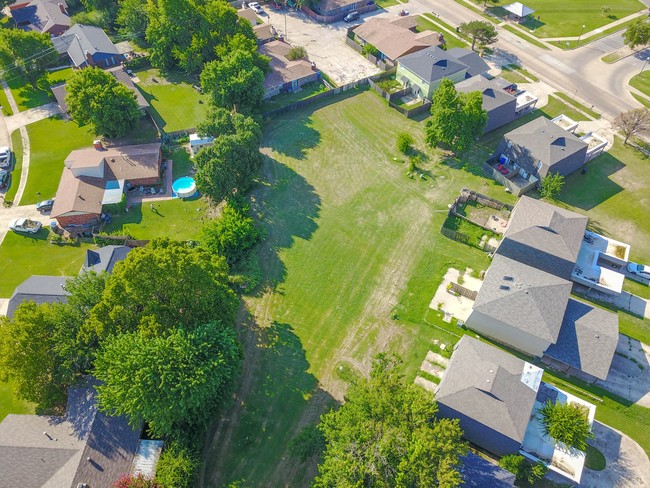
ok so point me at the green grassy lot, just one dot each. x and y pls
(17, 148)
(577, 104)
(512, 75)
(556, 107)
(176, 219)
(642, 82)
(176, 104)
(10, 403)
(182, 163)
(433, 23)
(386, 3)
(24, 255)
(51, 140)
(643, 100)
(28, 96)
(603, 33)
(6, 108)
(283, 99)
(637, 288)
(353, 256)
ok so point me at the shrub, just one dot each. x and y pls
(525, 472)
(297, 52)
(138, 481)
(177, 467)
(404, 142)
(369, 49)
(567, 423)
(309, 442)
(551, 185)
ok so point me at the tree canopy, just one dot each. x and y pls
(172, 381)
(228, 166)
(162, 285)
(637, 34)
(551, 185)
(633, 122)
(25, 53)
(567, 423)
(386, 435)
(456, 119)
(95, 97)
(478, 30)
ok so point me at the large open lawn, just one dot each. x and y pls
(10, 403)
(176, 104)
(51, 140)
(22, 256)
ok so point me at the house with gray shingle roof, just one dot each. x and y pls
(85, 446)
(44, 16)
(87, 45)
(524, 300)
(500, 105)
(491, 392)
(105, 258)
(38, 289)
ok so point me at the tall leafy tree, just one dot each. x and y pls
(172, 381)
(229, 165)
(132, 17)
(637, 34)
(386, 435)
(551, 185)
(236, 82)
(478, 30)
(95, 97)
(566, 423)
(161, 285)
(25, 53)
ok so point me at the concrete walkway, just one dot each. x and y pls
(32, 115)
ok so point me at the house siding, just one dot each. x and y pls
(426, 87)
(571, 163)
(501, 116)
(506, 334)
(77, 219)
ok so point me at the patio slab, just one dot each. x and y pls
(451, 305)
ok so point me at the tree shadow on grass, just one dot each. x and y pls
(32, 96)
(288, 207)
(276, 397)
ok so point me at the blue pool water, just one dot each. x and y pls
(184, 187)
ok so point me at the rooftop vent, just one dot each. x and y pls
(504, 287)
(508, 278)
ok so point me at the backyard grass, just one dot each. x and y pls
(10, 403)
(51, 140)
(474, 232)
(283, 99)
(434, 24)
(17, 148)
(182, 163)
(177, 219)
(641, 82)
(330, 299)
(22, 256)
(577, 104)
(176, 104)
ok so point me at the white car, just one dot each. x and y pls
(25, 225)
(5, 157)
(256, 7)
(639, 269)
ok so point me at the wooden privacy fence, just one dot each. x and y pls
(462, 291)
(456, 236)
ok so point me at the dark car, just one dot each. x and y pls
(352, 16)
(45, 205)
(6, 157)
(4, 178)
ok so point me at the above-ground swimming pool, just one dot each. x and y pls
(184, 187)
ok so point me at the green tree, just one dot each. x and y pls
(386, 435)
(456, 120)
(235, 82)
(551, 185)
(604, 10)
(566, 423)
(525, 472)
(161, 285)
(25, 53)
(229, 165)
(173, 381)
(308, 443)
(95, 97)
(297, 52)
(232, 234)
(132, 17)
(633, 122)
(139, 481)
(637, 34)
(178, 467)
(478, 30)
(404, 142)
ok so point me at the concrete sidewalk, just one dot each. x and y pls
(21, 119)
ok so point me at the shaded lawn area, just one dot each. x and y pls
(51, 140)
(182, 163)
(176, 104)
(6, 108)
(641, 82)
(283, 99)
(559, 18)
(28, 96)
(330, 188)
(177, 219)
(10, 403)
(22, 256)
(17, 148)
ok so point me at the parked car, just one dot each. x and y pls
(4, 178)
(45, 205)
(25, 225)
(639, 269)
(352, 16)
(256, 7)
(6, 157)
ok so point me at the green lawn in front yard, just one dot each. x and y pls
(10, 403)
(176, 104)
(641, 82)
(24, 255)
(283, 99)
(352, 257)
(51, 140)
(17, 148)
(555, 107)
(28, 96)
(177, 219)
(575, 103)
(4, 103)
(386, 3)
(434, 24)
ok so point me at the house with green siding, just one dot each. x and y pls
(425, 69)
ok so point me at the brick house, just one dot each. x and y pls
(95, 177)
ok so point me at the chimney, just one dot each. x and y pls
(63, 8)
(97, 144)
(89, 58)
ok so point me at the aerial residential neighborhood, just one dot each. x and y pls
(324, 243)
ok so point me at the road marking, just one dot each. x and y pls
(556, 63)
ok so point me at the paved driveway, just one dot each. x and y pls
(27, 211)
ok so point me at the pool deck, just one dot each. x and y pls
(139, 197)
